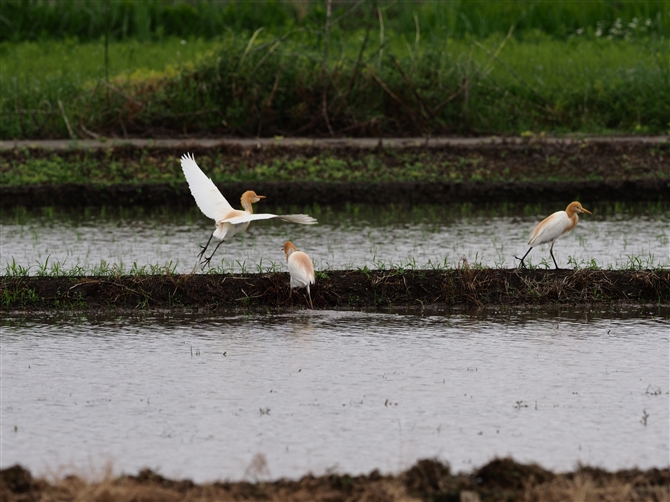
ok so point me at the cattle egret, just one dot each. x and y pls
(300, 268)
(552, 227)
(228, 221)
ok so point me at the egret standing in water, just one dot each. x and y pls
(229, 221)
(300, 268)
(552, 227)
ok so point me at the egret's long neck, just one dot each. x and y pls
(246, 205)
(574, 218)
(573, 215)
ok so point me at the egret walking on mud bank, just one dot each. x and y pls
(229, 221)
(552, 227)
(300, 268)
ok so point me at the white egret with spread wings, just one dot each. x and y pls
(213, 204)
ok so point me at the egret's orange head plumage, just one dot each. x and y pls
(576, 207)
(251, 196)
(289, 248)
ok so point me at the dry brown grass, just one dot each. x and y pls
(500, 479)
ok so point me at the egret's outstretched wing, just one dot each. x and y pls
(302, 219)
(550, 228)
(206, 195)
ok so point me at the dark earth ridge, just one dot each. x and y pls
(501, 479)
(465, 287)
(488, 173)
(326, 193)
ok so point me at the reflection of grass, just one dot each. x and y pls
(345, 215)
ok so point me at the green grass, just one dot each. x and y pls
(155, 19)
(116, 165)
(55, 268)
(391, 68)
(595, 86)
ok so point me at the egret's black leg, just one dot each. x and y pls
(309, 295)
(551, 252)
(204, 248)
(522, 264)
(207, 260)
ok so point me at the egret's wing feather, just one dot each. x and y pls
(301, 269)
(293, 218)
(302, 219)
(208, 198)
(550, 228)
(245, 218)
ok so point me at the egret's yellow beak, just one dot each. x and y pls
(583, 210)
(261, 196)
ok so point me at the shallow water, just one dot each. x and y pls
(346, 237)
(312, 391)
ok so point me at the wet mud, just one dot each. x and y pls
(360, 289)
(496, 172)
(304, 193)
(430, 480)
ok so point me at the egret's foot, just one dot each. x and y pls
(205, 261)
(522, 264)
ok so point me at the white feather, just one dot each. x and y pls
(550, 229)
(208, 198)
(301, 270)
(292, 218)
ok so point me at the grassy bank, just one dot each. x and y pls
(540, 162)
(499, 480)
(385, 69)
(467, 286)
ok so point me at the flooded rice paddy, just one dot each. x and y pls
(207, 397)
(354, 236)
(341, 391)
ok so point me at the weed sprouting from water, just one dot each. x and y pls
(644, 418)
(13, 269)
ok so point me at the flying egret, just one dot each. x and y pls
(300, 268)
(552, 227)
(229, 221)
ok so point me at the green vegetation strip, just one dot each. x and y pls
(469, 287)
(544, 162)
(371, 68)
(430, 480)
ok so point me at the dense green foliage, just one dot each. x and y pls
(388, 68)
(154, 19)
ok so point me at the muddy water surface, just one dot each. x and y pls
(201, 397)
(346, 237)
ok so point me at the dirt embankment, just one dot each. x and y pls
(339, 289)
(483, 173)
(430, 480)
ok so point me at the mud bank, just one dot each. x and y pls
(442, 173)
(434, 289)
(499, 480)
(303, 193)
